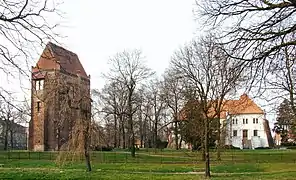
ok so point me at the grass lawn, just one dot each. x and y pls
(235, 164)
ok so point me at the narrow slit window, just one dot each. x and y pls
(38, 106)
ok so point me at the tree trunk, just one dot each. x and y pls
(86, 146)
(141, 128)
(203, 152)
(132, 139)
(119, 137)
(145, 134)
(155, 134)
(180, 143)
(11, 138)
(131, 128)
(206, 147)
(115, 130)
(123, 133)
(6, 136)
(219, 139)
(176, 134)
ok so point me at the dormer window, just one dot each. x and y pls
(39, 84)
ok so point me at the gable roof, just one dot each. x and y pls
(244, 105)
(57, 57)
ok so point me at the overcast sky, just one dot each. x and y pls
(96, 30)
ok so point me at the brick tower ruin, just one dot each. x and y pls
(60, 94)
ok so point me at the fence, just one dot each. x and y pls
(164, 157)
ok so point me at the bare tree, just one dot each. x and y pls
(7, 117)
(262, 35)
(155, 102)
(281, 80)
(142, 119)
(173, 89)
(24, 28)
(12, 132)
(113, 99)
(280, 83)
(129, 69)
(213, 75)
(258, 29)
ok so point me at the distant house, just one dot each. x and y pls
(245, 124)
(15, 136)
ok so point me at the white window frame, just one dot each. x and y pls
(39, 84)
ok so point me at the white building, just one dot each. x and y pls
(245, 125)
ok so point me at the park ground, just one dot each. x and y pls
(150, 164)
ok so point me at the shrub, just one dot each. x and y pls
(288, 144)
(161, 144)
(230, 147)
(291, 147)
(262, 148)
(103, 148)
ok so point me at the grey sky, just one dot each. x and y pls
(96, 30)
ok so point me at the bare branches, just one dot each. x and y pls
(128, 69)
(256, 28)
(24, 28)
(212, 75)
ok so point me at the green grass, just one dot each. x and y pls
(150, 164)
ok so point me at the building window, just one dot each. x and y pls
(255, 132)
(236, 121)
(232, 121)
(39, 84)
(246, 121)
(38, 106)
(243, 121)
(253, 120)
(256, 120)
(234, 132)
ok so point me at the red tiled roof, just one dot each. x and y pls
(57, 57)
(244, 105)
(36, 74)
